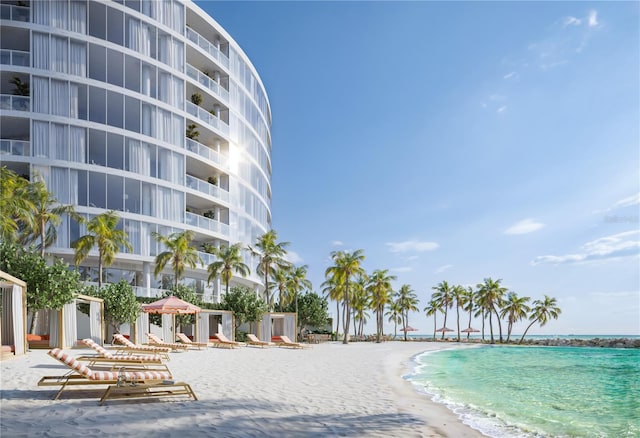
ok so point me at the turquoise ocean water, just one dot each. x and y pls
(510, 391)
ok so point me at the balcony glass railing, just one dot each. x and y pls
(205, 223)
(15, 13)
(14, 57)
(205, 45)
(206, 188)
(20, 148)
(206, 81)
(17, 103)
(207, 117)
(205, 152)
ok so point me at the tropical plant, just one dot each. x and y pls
(395, 316)
(432, 309)
(334, 290)
(179, 253)
(49, 286)
(542, 311)
(491, 296)
(103, 234)
(313, 310)
(457, 297)
(245, 305)
(280, 282)
(359, 304)
(469, 305)
(196, 98)
(229, 261)
(21, 88)
(192, 131)
(297, 282)
(443, 296)
(271, 256)
(408, 302)
(346, 265)
(15, 205)
(120, 304)
(515, 309)
(380, 294)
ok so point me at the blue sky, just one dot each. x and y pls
(458, 141)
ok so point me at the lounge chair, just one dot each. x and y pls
(157, 342)
(185, 340)
(105, 357)
(254, 341)
(219, 339)
(285, 342)
(129, 347)
(121, 383)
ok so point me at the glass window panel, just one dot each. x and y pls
(115, 73)
(132, 114)
(115, 192)
(97, 105)
(97, 190)
(115, 158)
(132, 195)
(115, 26)
(116, 109)
(97, 62)
(97, 147)
(97, 20)
(132, 73)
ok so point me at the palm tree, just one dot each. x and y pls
(104, 235)
(346, 265)
(445, 301)
(515, 309)
(271, 254)
(432, 309)
(380, 291)
(394, 314)
(542, 311)
(179, 252)
(491, 297)
(280, 282)
(297, 283)
(44, 216)
(334, 290)
(359, 304)
(15, 206)
(229, 261)
(469, 305)
(408, 302)
(457, 297)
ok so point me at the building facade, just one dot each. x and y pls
(145, 107)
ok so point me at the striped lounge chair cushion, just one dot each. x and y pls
(106, 354)
(127, 343)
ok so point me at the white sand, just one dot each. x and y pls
(327, 390)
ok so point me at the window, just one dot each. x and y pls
(97, 20)
(115, 113)
(97, 105)
(115, 147)
(97, 190)
(97, 62)
(97, 147)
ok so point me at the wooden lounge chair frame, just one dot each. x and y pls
(253, 341)
(285, 342)
(161, 389)
(117, 361)
(185, 339)
(222, 341)
(157, 342)
(128, 347)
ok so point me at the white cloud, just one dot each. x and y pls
(572, 21)
(412, 245)
(513, 74)
(402, 269)
(628, 202)
(615, 246)
(337, 243)
(293, 257)
(524, 227)
(443, 268)
(502, 109)
(593, 18)
(411, 258)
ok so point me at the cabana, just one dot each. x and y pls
(169, 307)
(274, 325)
(13, 327)
(211, 322)
(63, 328)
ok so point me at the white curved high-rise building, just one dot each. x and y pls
(146, 107)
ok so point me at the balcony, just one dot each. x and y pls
(16, 103)
(15, 13)
(15, 57)
(205, 152)
(207, 82)
(207, 118)
(18, 148)
(207, 189)
(205, 45)
(205, 223)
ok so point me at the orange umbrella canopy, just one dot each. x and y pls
(409, 329)
(469, 330)
(171, 305)
(445, 329)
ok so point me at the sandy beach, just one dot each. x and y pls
(326, 390)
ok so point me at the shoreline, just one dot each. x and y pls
(326, 390)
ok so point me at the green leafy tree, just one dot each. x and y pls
(229, 261)
(432, 309)
(543, 310)
(179, 253)
(515, 309)
(103, 234)
(468, 304)
(359, 303)
(280, 282)
(394, 314)
(271, 256)
(334, 290)
(443, 295)
(15, 205)
(120, 304)
(457, 297)
(48, 286)
(380, 291)
(296, 283)
(408, 302)
(491, 296)
(313, 310)
(346, 265)
(245, 305)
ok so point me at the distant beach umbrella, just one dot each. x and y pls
(172, 305)
(445, 329)
(409, 329)
(469, 330)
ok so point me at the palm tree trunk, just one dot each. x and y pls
(347, 311)
(445, 320)
(406, 324)
(100, 271)
(491, 327)
(435, 322)
(469, 333)
(43, 237)
(483, 325)
(337, 319)
(525, 332)
(499, 323)
(458, 321)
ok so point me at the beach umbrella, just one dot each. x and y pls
(408, 329)
(445, 329)
(174, 306)
(469, 330)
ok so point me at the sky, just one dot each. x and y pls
(455, 141)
